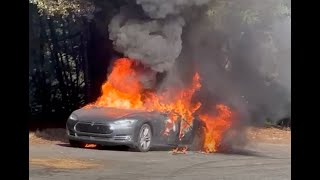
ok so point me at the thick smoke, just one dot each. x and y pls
(245, 67)
(156, 43)
(163, 8)
(153, 35)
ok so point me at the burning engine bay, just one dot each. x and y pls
(132, 86)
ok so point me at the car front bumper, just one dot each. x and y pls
(118, 135)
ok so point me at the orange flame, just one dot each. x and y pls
(90, 145)
(124, 90)
(179, 106)
(215, 127)
(180, 150)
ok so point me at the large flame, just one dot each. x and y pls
(180, 105)
(216, 126)
(123, 89)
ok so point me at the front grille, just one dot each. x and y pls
(93, 128)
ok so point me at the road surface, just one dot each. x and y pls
(268, 161)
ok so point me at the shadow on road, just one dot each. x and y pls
(111, 148)
(116, 148)
(243, 152)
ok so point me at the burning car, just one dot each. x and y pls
(132, 111)
(138, 129)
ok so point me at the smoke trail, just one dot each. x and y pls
(153, 35)
(155, 43)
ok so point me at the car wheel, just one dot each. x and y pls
(143, 143)
(74, 143)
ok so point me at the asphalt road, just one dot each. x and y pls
(262, 161)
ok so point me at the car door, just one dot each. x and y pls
(173, 136)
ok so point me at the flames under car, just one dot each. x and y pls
(140, 130)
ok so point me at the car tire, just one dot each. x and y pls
(144, 138)
(74, 143)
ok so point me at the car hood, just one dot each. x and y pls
(100, 114)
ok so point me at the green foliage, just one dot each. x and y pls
(65, 7)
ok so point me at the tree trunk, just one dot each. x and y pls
(58, 68)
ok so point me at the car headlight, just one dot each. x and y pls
(125, 122)
(73, 117)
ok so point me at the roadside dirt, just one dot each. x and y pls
(48, 136)
(269, 135)
(65, 163)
